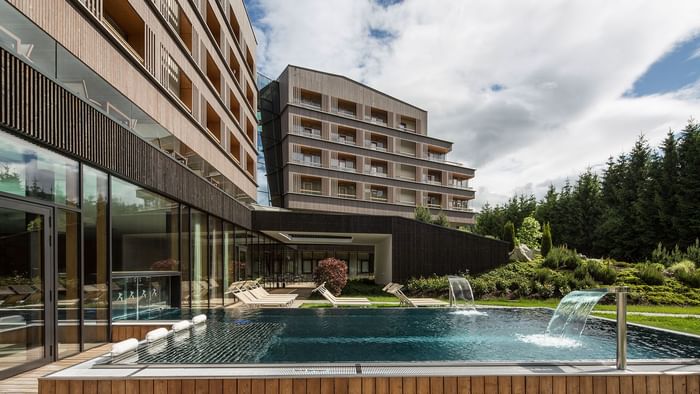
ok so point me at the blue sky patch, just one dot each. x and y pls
(496, 87)
(674, 70)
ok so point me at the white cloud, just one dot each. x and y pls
(564, 66)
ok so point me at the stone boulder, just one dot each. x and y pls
(521, 253)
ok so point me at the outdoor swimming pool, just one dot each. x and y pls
(279, 336)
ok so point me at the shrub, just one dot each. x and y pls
(561, 257)
(685, 265)
(543, 275)
(422, 214)
(689, 278)
(334, 272)
(650, 274)
(546, 240)
(364, 287)
(432, 285)
(442, 220)
(692, 253)
(509, 234)
(601, 272)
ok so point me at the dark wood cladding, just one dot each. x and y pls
(417, 248)
(40, 109)
(535, 384)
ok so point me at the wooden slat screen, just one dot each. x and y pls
(637, 384)
(36, 107)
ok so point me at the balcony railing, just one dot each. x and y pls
(376, 171)
(307, 132)
(378, 198)
(343, 139)
(308, 160)
(345, 112)
(310, 103)
(433, 205)
(375, 146)
(343, 165)
(347, 195)
(460, 184)
(310, 191)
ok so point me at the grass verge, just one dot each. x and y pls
(689, 325)
(552, 303)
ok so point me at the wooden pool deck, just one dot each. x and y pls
(28, 382)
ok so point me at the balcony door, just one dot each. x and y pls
(25, 276)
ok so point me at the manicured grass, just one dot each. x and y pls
(552, 303)
(689, 325)
(380, 298)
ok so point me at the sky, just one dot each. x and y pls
(531, 92)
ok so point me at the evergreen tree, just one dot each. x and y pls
(689, 184)
(585, 212)
(489, 221)
(546, 245)
(509, 234)
(545, 208)
(666, 194)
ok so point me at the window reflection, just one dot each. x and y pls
(29, 171)
(144, 230)
(23, 38)
(199, 283)
(95, 249)
(68, 282)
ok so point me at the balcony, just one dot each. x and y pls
(460, 183)
(407, 124)
(378, 193)
(126, 24)
(377, 168)
(345, 136)
(308, 185)
(433, 178)
(378, 116)
(308, 158)
(346, 108)
(460, 205)
(347, 190)
(310, 99)
(213, 74)
(213, 25)
(307, 131)
(433, 201)
(344, 163)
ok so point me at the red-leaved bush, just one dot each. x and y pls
(334, 272)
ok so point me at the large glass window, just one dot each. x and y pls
(144, 230)
(242, 269)
(29, 171)
(68, 282)
(185, 256)
(95, 258)
(199, 279)
(216, 280)
(229, 262)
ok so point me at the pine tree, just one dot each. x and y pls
(546, 206)
(546, 245)
(666, 194)
(585, 212)
(509, 234)
(689, 183)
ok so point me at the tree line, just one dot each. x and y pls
(644, 198)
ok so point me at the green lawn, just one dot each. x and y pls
(552, 303)
(689, 325)
(328, 305)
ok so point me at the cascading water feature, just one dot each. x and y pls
(462, 296)
(570, 318)
(571, 314)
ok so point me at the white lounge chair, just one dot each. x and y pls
(347, 301)
(395, 289)
(262, 294)
(249, 301)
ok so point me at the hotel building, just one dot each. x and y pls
(335, 145)
(127, 167)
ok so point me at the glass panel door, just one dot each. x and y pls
(24, 231)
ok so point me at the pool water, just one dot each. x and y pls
(399, 335)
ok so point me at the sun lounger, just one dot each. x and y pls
(348, 301)
(262, 294)
(395, 289)
(249, 301)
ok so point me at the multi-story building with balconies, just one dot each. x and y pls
(333, 144)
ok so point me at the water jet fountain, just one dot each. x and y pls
(462, 296)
